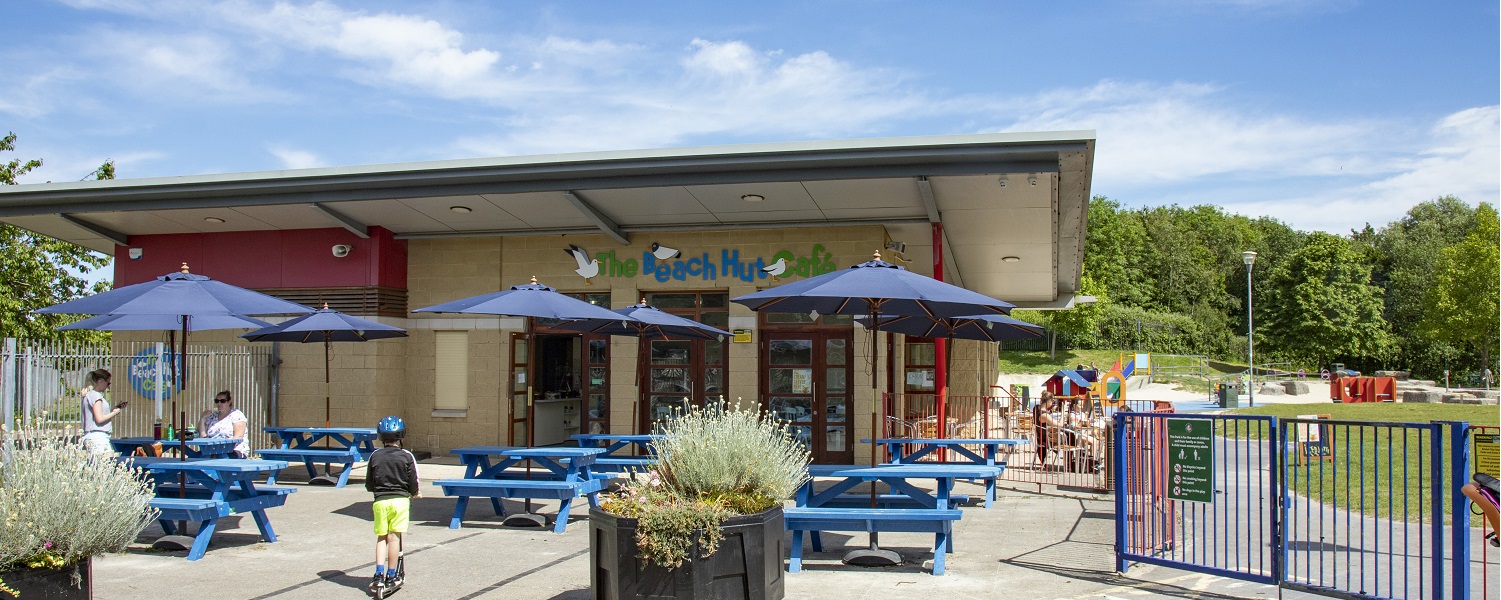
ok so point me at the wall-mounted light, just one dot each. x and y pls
(897, 246)
(1003, 182)
(752, 197)
(461, 209)
(1010, 259)
(214, 220)
(1032, 181)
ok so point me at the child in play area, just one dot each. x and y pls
(391, 475)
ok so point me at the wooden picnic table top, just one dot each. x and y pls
(950, 441)
(617, 437)
(219, 465)
(325, 430)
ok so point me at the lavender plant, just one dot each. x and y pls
(713, 463)
(60, 504)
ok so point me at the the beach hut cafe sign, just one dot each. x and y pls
(668, 264)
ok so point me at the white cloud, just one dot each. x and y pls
(292, 158)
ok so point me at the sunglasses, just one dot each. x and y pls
(220, 400)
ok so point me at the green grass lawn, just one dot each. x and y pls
(1365, 457)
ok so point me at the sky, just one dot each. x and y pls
(1323, 114)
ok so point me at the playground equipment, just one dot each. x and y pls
(1362, 389)
(1093, 388)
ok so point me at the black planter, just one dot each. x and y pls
(52, 583)
(747, 566)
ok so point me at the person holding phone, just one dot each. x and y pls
(98, 418)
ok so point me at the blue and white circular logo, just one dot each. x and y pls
(143, 369)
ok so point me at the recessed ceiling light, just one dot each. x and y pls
(1010, 258)
(753, 197)
(461, 209)
(213, 220)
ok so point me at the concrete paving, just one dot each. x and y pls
(1030, 545)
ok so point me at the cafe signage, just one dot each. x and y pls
(708, 266)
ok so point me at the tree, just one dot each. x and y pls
(1325, 306)
(41, 271)
(1409, 250)
(1464, 298)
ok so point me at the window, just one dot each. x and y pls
(919, 370)
(452, 389)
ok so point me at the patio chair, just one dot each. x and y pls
(1061, 445)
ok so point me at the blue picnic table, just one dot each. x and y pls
(327, 445)
(567, 475)
(196, 447)
(623, 451)
(822, 511)
(219, 488)
(905, 451)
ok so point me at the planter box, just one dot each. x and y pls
(35, 584)
(748, 564)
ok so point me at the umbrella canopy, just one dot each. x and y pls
(647, 322)
(325, 325)
(164, 323)
(985, 328)
(181, 293)
(531, 300)
(874, 287)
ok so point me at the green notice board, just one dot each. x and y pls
(1190, 460)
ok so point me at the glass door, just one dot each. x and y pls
(684, 373)
(806, 379)
(596, 384)
(520, 408)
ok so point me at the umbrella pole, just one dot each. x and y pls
(326, 478)
(874, 555)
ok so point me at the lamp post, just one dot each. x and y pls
(1250, 258)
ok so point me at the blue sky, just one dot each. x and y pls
(1323, 114)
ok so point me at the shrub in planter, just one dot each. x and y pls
(60, 505)
(720, 471)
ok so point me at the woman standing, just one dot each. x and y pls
(225, 421)
(98, 421)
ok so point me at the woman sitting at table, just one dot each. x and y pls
(225, 421)
(1046, 416)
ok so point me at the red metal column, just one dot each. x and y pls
(940, 345)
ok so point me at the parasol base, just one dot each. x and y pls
(525, 520)
(173, 543)
(872, 557)
(324, 479)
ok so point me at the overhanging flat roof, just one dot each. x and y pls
(1019, 195)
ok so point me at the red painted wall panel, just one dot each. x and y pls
(269, 259)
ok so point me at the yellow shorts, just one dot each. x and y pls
(391, 515)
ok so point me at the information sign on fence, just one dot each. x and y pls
(1487, 454)
(1190, 460)
(1313, 440)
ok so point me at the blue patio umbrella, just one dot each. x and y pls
(181, 297)
(873, 288)
(985, 328)
(325, 325)
(646, 322)
(164, 323)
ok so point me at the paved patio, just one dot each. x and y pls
(1031, 545)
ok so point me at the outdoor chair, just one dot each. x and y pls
(1070, 454)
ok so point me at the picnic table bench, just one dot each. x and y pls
(342, 446)
(830, 510)
(568, 476)
(219, 488)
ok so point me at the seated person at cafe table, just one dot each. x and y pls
(226, 421)
(1073, 428)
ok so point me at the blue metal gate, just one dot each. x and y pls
(1343, 508)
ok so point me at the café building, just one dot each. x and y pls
(684, 229)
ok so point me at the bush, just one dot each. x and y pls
(60, 504)
(712, 464)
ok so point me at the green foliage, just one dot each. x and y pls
(60, 504)
(712, 464)
(1408, 250)
(1464, 300)
(1324, 306)
(41, 271)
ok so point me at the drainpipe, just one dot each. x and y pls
(940, 345)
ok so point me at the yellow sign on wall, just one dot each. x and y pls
(742, 336)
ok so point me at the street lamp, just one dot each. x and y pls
(1250, 258)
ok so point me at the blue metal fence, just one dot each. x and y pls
(1345, 508)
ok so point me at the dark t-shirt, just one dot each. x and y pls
(391, 473)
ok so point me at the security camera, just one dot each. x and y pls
(341, 250)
